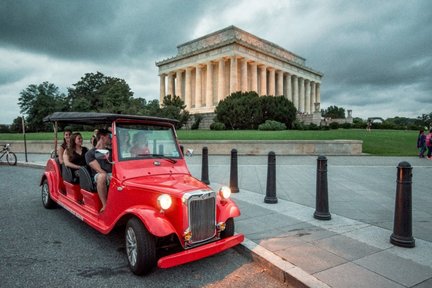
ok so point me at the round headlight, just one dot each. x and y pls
(225, 192)
(164, 201)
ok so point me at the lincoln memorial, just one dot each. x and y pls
(208, 69)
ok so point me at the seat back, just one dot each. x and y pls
(85, 179)
(67, 174)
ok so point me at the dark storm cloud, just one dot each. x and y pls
(382, 46)
(96, 30)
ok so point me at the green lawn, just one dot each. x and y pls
(376, 142)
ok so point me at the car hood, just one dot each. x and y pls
(174, 184)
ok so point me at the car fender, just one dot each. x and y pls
(51, 185)
(155, 221)
(226, 210)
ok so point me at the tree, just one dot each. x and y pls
(277, 108)
(334, 112)
(240, 110)
(152, 108)
(247, 110)
(38, 101)
(173, 107)
(425, 121)
(16, 126)
(100, 93)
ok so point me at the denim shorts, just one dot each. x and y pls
(107, 180)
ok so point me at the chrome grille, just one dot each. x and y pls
(202, 216)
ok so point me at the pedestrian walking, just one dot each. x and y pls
(421, 143)
(429, 145)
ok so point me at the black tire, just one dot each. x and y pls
(140, 247)
(229, 229)
(11, 158)
(47, 202)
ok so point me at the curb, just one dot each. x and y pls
(279, 268)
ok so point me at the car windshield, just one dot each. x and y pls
(140, 141)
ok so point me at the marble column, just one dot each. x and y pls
(254, 76)
(263, 80)
(171, 84)
(209, 85)
(295, 92)
(313, 97)
(233, 74)
(198, 101)
(271, 82)
(279, 88)
(162, 88)
(302, 95)
(288, 88)
(188, 90)
(244, 75)
(307, 97)
(178, 84)
(221, 80)
(318, 96)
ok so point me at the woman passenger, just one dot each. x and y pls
(74, 156)
(66, 140)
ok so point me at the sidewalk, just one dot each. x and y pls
(350, 250)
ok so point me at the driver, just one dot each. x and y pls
(140, 146)
(101, 168)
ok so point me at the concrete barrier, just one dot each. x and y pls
(243, 147)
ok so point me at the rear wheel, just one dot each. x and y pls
(47, 202)
(140, 247)
(11, 158)
(229, 229)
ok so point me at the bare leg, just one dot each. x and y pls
(102, 189)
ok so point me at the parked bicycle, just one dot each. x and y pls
(10, 156)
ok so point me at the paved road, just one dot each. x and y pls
(51, 248)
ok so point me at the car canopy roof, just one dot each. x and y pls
(99, 118)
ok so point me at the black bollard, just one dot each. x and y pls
(204, 167)
(322, 205)
(271, 179)
(234, 172)
(182, 149)
(402, 226)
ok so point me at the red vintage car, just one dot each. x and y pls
(170, 217)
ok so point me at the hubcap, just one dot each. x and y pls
(131, 246)
(45, 193)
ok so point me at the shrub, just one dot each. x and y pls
(197, 121)
(297, 125)
(313, 126)
(217, 126)
(271, 125)
(334, 125)
(346, 126)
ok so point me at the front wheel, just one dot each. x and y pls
(229, 229)
(11, 158)
(47, 202)
(140, 247)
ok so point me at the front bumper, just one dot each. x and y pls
(200, 252)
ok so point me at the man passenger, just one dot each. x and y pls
(101, 167)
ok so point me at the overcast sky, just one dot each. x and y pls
(376, 56)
